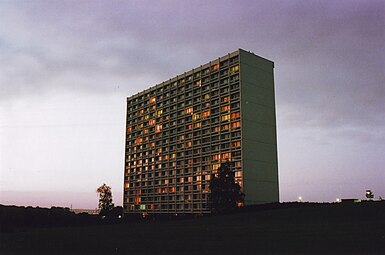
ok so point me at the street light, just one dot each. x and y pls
(338, 200)
(300, 199)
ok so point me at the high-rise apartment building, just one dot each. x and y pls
(179, 131)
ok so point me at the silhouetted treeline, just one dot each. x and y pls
(21, 218)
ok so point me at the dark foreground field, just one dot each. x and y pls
(317, 228)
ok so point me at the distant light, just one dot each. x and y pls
(338, 200)
(120, 216)
(300, 199)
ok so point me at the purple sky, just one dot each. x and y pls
(66, 68)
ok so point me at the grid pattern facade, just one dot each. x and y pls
(178, 133)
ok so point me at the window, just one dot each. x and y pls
(226, 155)
(198, 83)
(216, 129)
(225, 127)
(225, 108)
(158, 128)
(188, 110)
(129, 129)
(151, 122)
(235, 124)
(196, 116)
(235, 115)
(234, 69)
(225, 99)
(236, 144)
(152, 100)
(197, 125)
(225, 117)
(159, 113)
(215, 67)
(205, 114)
(138, 140)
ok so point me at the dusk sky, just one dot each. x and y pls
(66, 68)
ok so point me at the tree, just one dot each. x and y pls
(369, 194)
(225, 193)
(105, 199)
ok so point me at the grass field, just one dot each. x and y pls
(308, 229)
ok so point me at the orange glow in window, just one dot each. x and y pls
(152, 100)
(235, 124)
(236, 144)
(158, 128)
(235, 115)
(129, 129)
(151, 122)
(205, 114)
(138, 140)
(226, 155)
(215, 67)
(225, 108)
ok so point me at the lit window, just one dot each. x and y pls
(235, 124)
(189, 127)
(159, 113)
(129, 129)
(152, 100)
(236, 144)
(145, 131)
(215, 67)
(226, 155)
(206, 96)
(138, 140)
(151, 122)
(225, 127)
(235, 115)
(198, 83)
(216, 129)
(188, 110)
(188, 144)
(225, 99)
(158, 128)
(215, 166)
(216, 156)
(195, 116)
(234, 69)
(238, 174)
(225, 108)
(197, 125)
(225, 117)
(205, 114)
(152, 144)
